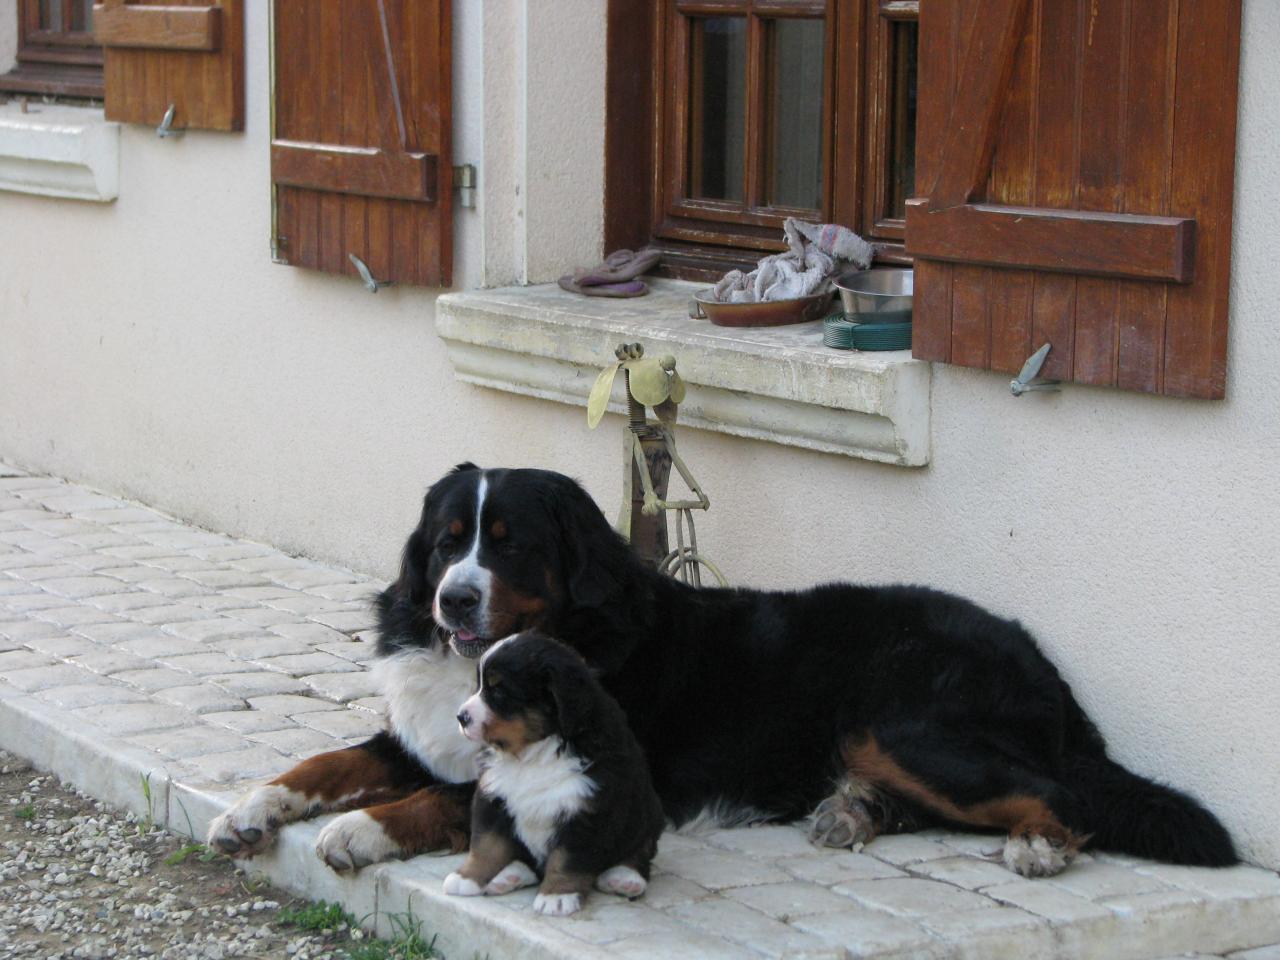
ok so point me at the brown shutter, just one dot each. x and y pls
(1076, 160)
(360, 153)
(184, 53)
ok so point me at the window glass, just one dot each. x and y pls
(717, 108)
(902, 116)
(795, 70)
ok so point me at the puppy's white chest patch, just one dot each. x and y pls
(542, 788)
(424, 689)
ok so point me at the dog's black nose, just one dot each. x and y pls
(464, 719)
(459, 601)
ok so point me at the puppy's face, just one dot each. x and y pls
(514, 705)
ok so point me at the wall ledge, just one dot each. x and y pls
(778, 384)
(59, 151)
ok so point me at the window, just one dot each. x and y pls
(761, 110)
(56, 50)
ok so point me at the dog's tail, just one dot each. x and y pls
(1127, 813)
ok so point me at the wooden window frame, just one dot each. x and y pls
(59, 63)
(645, 197)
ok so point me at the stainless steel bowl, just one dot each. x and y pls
(883, 293)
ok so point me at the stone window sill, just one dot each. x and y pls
(59, 151)
(778, 384)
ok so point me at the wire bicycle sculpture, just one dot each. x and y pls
(649, 454)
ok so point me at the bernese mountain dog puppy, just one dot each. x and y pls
(564, 787)
(873, 709)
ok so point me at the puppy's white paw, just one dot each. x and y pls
(249, 826)
(354, 840)
(1033, 855)
(456, 885)
(622, 880)
(557, 904)
(513, 876)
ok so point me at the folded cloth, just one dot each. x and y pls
(815, 253)
(616, 277)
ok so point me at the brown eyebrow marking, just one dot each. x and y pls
(498, 530)
(455, 527)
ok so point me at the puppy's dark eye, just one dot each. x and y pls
(494, 680)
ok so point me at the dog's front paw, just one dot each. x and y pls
(250, 825)
(456, 885)
(513, 876)
(557, 904)
(622, 880)
(354, 840)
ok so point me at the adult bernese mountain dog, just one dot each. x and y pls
(875, 709)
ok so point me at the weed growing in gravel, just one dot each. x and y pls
(316, 916)
(407, 940)
(150, 820)
(26, 812)
(182, 853)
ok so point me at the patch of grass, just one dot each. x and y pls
(26, 812)
(407, 943)
(316, 916)
(180, 855)
(150, 820)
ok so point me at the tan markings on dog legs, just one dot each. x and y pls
(489, 853)
(1025, 817)
(424, 821)
(562, 891)
(331, 781)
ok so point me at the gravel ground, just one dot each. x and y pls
(79, 879)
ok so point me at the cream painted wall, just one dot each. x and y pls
(1137, 536)
(8, 33)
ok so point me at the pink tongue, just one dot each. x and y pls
(465, 636)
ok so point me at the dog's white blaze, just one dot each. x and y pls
(468, 570)
(423, 689)
(542, 788)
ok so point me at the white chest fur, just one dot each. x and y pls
(542, 788)
(424, 689)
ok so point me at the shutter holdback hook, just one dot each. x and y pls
(166, 128)
(372, 285)
(1026, 380)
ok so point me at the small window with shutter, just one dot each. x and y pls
(184, 56)
(360, 149)
(1074, 171)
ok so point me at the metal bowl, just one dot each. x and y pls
(884, 294)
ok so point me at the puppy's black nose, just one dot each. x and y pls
(459, 601)
(464, 719)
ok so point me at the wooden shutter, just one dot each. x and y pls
(184, 53)
(1077, 163)
(360, 151)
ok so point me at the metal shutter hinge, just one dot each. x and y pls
(464, 181)
(1026, 380)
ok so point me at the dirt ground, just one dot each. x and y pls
(79, 880)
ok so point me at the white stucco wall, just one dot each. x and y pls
(8, 33)
(1136, 535)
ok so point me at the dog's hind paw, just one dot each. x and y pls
(513, 876)
(622, 880)
(841, 821)
(1034, 855)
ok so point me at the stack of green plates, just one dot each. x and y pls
(843, 334)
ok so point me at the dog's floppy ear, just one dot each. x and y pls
(568, 680)
(463, 467)
(594, 558)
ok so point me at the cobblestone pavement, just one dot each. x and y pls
(163, 668)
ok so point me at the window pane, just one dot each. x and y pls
(51, 14)
(902, 116)
(795, 69)
(82, 15)
(717, 107)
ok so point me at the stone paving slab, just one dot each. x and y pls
(165, 668)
